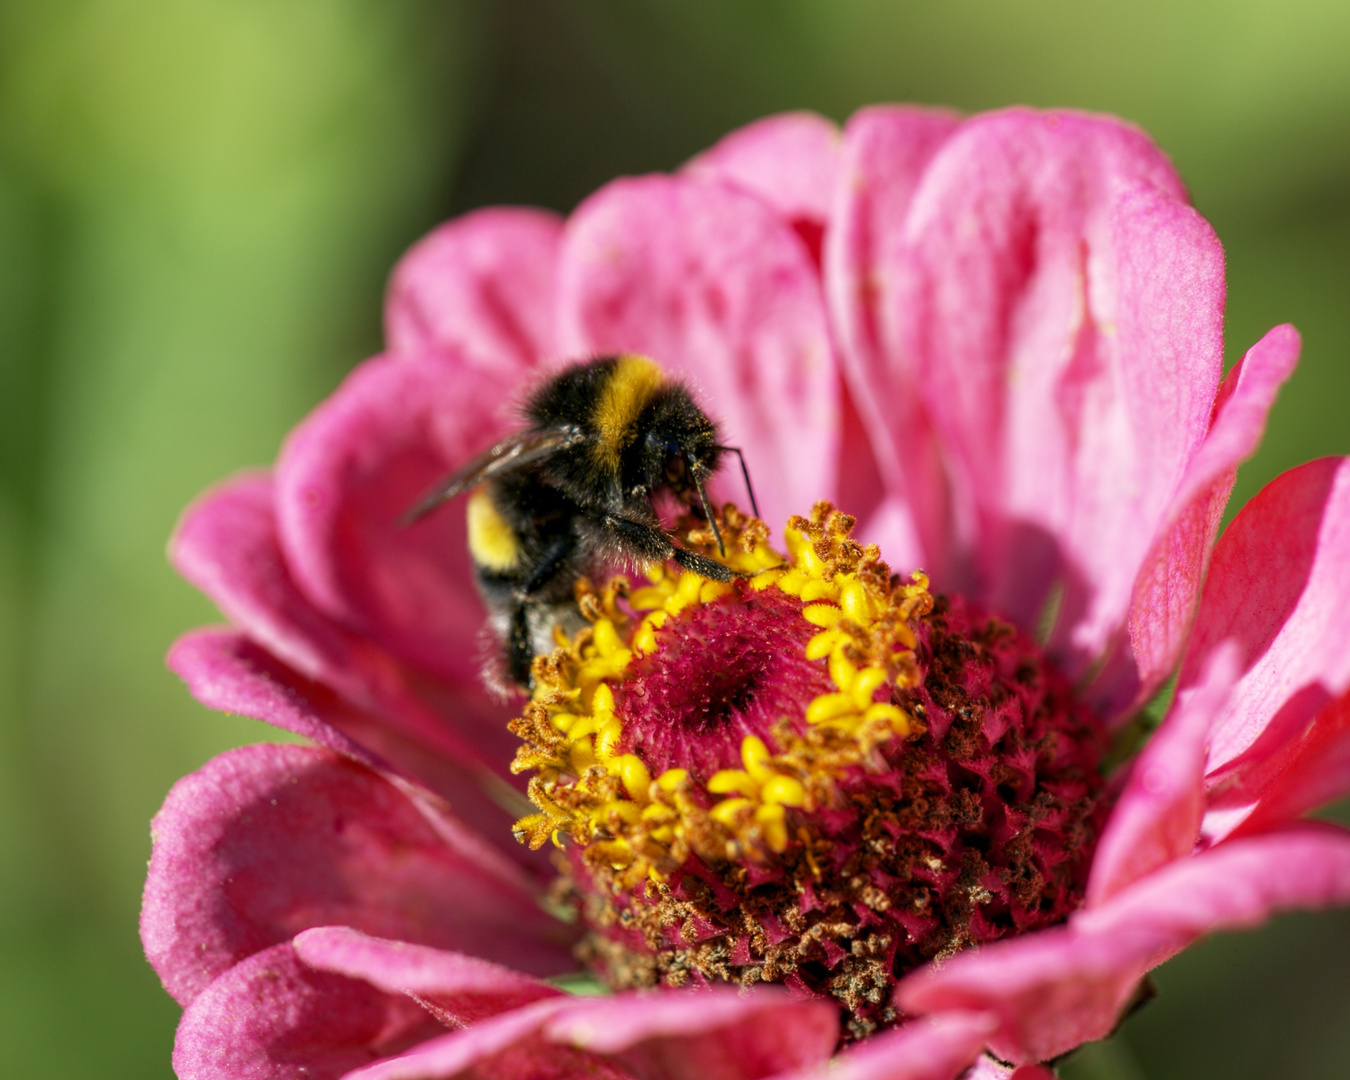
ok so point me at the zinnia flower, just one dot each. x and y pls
(834, 814)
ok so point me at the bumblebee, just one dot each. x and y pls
(574, 489)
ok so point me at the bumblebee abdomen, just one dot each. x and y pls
(493, 543)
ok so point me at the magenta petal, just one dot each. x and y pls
(886, 150)
(714, 285)
(1157, 817)
(1061, 307)
(1168, 588)
(265, 841)
(272, 1018)
(348, 475)
(931, 1048)
(717, 1034)
(1279, 585)
(456, 988)
(480, 287)
(791, 161)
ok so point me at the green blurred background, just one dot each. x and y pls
(199, 202)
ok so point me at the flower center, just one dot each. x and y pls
(819, 775)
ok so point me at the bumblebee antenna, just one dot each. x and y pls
(745, 473)
(712, 520)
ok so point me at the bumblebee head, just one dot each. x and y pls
(678, 446)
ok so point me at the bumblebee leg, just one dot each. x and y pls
(519, 648)
(703, 566)
(548, 565)
(655, 546)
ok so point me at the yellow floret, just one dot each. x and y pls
(822, 614)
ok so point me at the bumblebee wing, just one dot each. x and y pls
(523, 450)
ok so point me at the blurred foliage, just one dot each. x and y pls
(199, 200)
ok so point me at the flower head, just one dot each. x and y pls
(798, 801)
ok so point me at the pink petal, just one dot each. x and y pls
(791, 161)
(1234, 885)
(1168, 587)
(717, 1034)
(713, 285)
(458, 989)
(886, 150)
(1051, 991)
(672, 1035)
(480, 287)
(931, 1048)
(1279, 585)
(225, 670)
(348, 475)
(1061, 308)
(265, 841)
(1058, 988)
(989, 1069)
(505, 1047)
(226, 544)
(1307, 772)
(1157, 817)
(272, 1018)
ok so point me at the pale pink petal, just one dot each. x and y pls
(713, 285)
(931, 1048)
(456, 988)
(883, 519)
(1058, 988)
(1168, 587)
(273, 1018)
(265, 841)
(713, 1034)
(480, 287)
(346, 479)
(1061, 307)
(791, 161)
(1157, 817)
(1279, 585)
(505, 1047)
(886, 150)
(227, 671)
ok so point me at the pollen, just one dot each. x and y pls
(820, 774)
